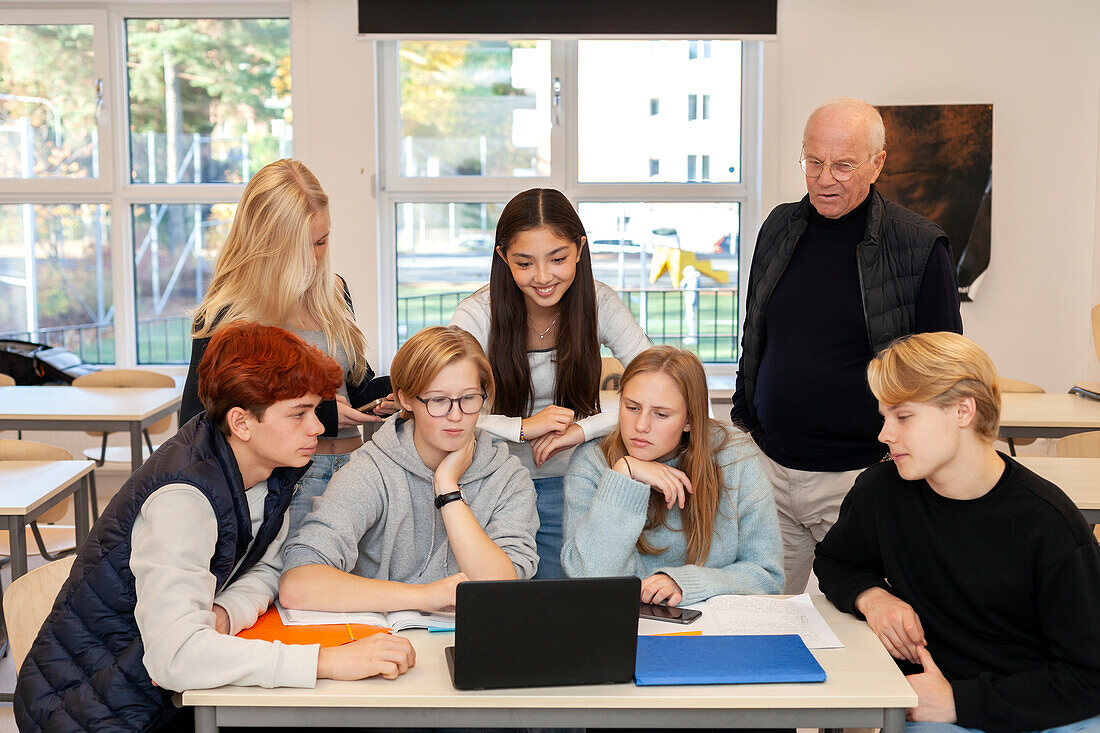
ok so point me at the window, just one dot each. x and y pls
(147, 187)
(698, 50)
(465, 125)
(698, 107)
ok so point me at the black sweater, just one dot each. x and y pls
(816, 412)
(1006, 586)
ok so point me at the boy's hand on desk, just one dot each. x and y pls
(935, 698)
(384, 654)
(440, 595)
(551, 444)
(221, 620)
(661, 588)
(894, 622)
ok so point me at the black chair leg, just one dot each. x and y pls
(42, 544)
(1011, 447)
(102, 452)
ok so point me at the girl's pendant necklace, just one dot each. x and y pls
(542, 334)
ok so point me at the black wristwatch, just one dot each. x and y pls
(444, 499)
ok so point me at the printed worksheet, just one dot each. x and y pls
(752, 615)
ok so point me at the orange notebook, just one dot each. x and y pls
(269, 627)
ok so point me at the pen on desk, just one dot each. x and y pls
(350, 632)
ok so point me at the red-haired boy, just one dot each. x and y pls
(188, 553)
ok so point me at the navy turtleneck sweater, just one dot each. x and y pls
(815, 409)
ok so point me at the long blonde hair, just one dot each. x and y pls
(267, 270)
(697, 451)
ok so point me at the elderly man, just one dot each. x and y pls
(835, 278)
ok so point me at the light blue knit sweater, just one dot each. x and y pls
(606, 511)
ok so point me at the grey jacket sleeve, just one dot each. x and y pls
(515, 520)
(352, 503)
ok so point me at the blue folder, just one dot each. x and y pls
(718, 660)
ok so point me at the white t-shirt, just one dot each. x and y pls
(172, 541)
(616, 329)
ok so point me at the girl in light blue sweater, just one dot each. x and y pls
(671, 495)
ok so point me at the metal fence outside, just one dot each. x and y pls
(703, 320)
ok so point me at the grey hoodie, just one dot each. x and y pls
(377, 517)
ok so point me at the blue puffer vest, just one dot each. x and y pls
(85, 670)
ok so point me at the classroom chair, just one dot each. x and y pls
(1091, 389)
(52, 540)
(28, 602)
(123, 378)
(611, 372)
(1015, 385)
(1079, 445)
(7, 381)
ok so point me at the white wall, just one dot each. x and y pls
(334, 106)
(1039, 65)
(1036, 62)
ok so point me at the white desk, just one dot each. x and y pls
(100, 409)
(864, 689)
(1078, 477)
(29, 488)
(1047, 415)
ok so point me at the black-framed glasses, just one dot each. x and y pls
(468, 404)
(842, 172)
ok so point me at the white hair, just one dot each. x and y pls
(876, 131)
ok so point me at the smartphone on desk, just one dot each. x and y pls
(674, 614)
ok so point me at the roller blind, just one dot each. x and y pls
(717, 19)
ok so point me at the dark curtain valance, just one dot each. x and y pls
(579, 18)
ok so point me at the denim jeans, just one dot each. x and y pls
(550, 500)
(1091, 725)
(313, 484)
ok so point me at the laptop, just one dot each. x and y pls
(536, 633)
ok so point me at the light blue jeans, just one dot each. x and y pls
(550, 500)
(313, 484)
(1091, 725)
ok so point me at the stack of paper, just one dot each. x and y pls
(753, 615)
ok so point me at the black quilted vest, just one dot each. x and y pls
(891, 259)
(85, 669)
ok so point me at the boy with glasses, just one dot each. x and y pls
(982, 578)
(429, 502)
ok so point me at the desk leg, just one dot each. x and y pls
(136, 453)
(80, 510)
(893, 720)
(17, 536)
(205, 720)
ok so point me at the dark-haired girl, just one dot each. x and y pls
(542, 320)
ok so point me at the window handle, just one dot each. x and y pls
(98, 98)
(556, 100)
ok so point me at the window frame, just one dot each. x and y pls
(114, 187)
(392, 188)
